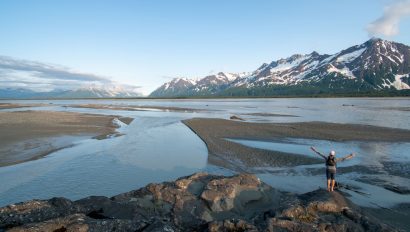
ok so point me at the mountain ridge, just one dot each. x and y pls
(375, 66)
(84, 92)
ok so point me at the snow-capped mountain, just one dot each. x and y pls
(108, 91)
(30, 79)
(214, 83)
(376, 65)
(176, 87)
(211, 84)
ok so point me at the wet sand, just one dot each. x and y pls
(13, 105)
(241, 158)
(29, 135)
(137, 108)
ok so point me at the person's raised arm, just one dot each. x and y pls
(346, 157)
(314, 149)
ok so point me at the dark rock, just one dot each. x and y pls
(200, 202)
(231, 225)
(234, 117)
(35, 211)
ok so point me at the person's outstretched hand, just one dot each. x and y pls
(353, 154)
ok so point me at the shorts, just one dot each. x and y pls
(330, 175)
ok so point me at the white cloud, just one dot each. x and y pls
(388, 23)
(41, 77)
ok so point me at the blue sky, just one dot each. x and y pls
(145, 43)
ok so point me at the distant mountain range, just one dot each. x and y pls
(30, 79)
(85, 92)
(374, 66)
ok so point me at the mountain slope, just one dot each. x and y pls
(176, 87)
(208, 85)
(374, 66)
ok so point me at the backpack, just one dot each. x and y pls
(330, 161)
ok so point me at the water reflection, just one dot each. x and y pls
(165, 146)
(151, 151)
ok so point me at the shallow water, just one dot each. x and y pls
(157, 147)
(372, 155)
(108, 167)
(367, 153)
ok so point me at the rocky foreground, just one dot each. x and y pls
(200, 202)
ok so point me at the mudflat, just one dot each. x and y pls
(14, 105)
(28, 135)
(238, 157)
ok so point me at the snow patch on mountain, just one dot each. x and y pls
(328, 59)
(345, 71)
(349, 57)
(230, 76)
(398, 83)
(283, 65)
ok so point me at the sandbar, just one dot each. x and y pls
(28, 135)
(222, 152)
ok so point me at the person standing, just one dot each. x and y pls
(331, 162)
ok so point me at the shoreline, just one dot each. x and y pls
(29, 135)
